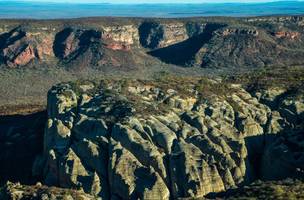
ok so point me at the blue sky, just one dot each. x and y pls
(148, 1)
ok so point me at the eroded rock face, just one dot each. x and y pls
(20, 46)
(157, 35)
(124, 43)
(236, 31)
(71, 44)
(189, 51)
(126, 34)
(142, 141)
(174, 33)
(17, 49)
(287, 35)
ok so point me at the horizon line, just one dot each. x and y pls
(153, 3)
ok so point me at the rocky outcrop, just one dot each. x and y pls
(125, 34)
(237, 31)
(118, 46)
(287, 35)
(145, 141)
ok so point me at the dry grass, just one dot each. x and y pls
(272, 190)
(40, 191)
(20, 109)
(202, 88)
(291, 77)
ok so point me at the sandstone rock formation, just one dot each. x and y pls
(141, 140)
(126, 34)
(156, 35)
(17, 49)
(288, 35)
(71, 44)
(127, 43)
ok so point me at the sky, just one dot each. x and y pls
(148, 1)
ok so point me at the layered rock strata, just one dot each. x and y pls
(203, 42)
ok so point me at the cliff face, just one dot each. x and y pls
(205, 42)
(170, 137)
(147, 140)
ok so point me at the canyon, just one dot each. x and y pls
(108, 42)
(138, 108)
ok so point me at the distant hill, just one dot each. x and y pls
(129, 44)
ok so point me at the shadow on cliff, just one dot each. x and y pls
(255, 168)
(147, 39)
(256, 146)
(78, 47)
(184, 53)
(11, 37)
(21, 140)
(59, 42)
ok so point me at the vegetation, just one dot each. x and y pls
(272, 190)
(202, 88)
(291, 77)
(39, 191)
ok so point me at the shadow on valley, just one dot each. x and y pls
(21, 140)
(184, 53)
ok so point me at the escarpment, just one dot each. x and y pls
(71, 45)
(201, 42)
(17, 49)
(145, 140)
